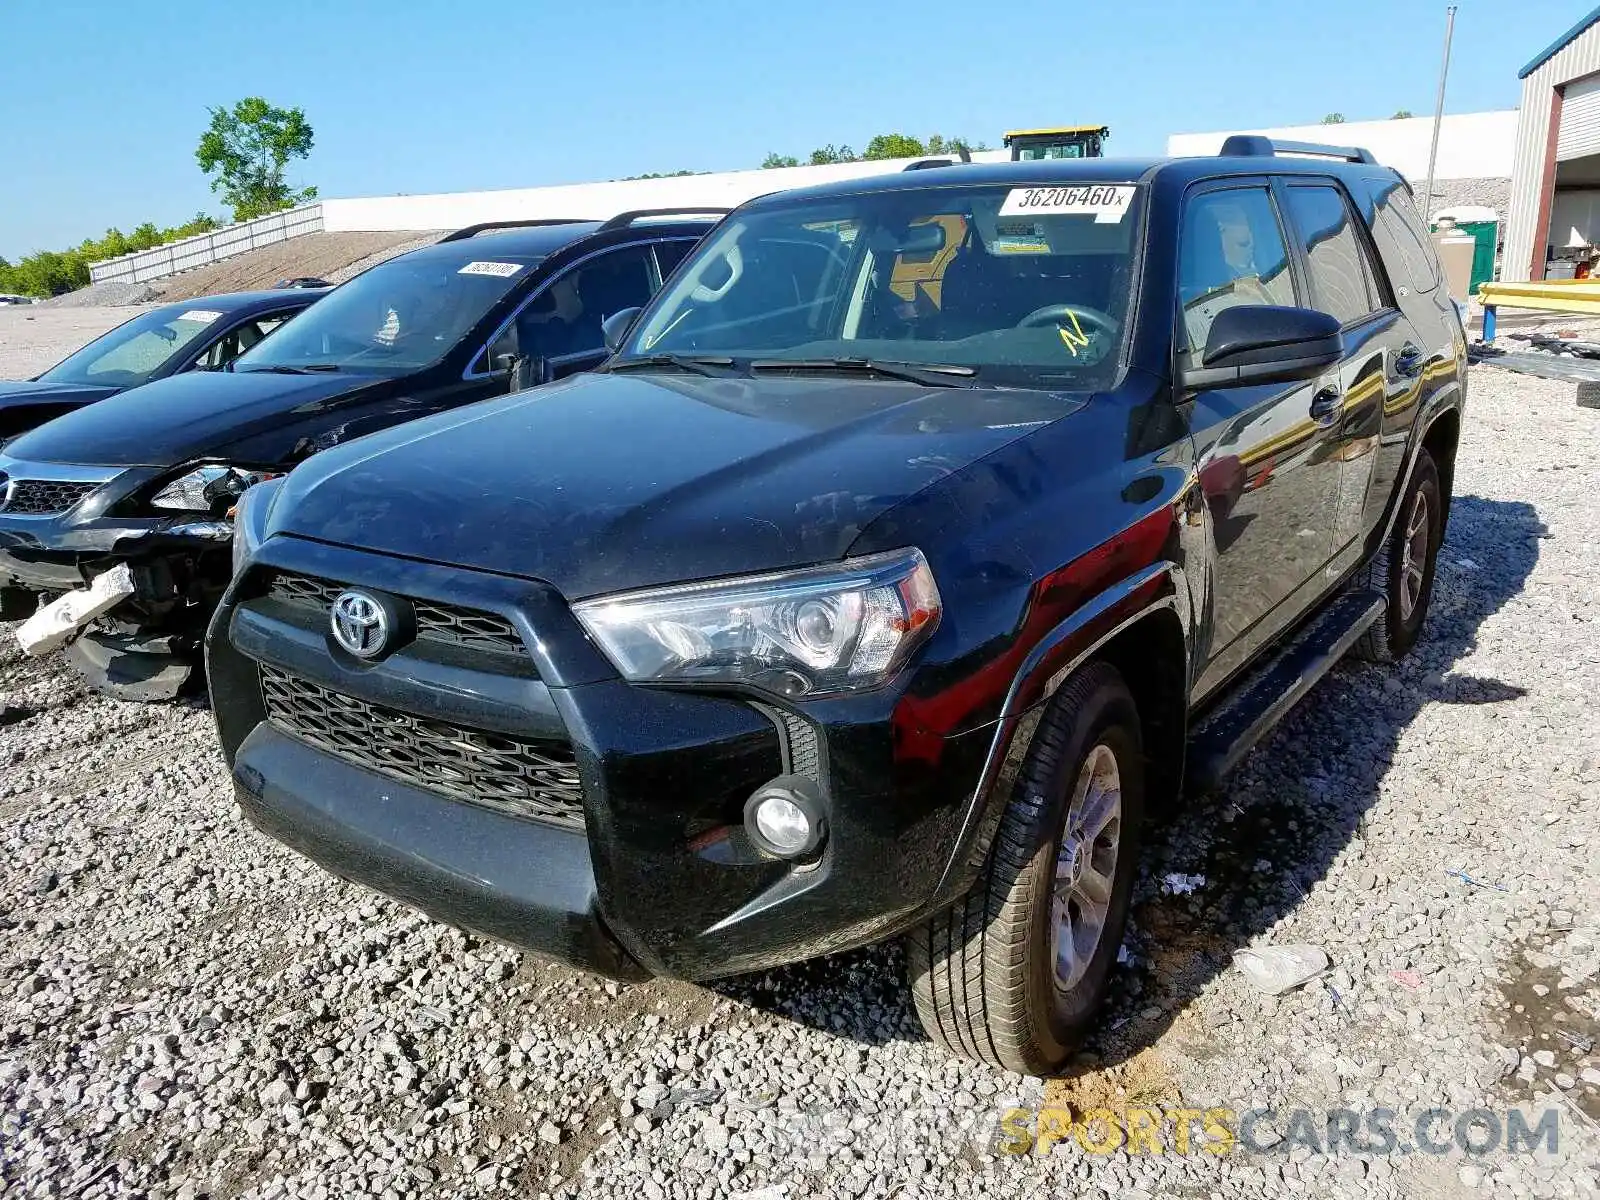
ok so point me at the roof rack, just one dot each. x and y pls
(623, 219)
(958, 156)
(471, 231)
(1253, 145)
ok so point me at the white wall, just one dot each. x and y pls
(1471, 145)
(453, 210)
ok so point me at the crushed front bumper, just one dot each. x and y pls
(650, 872)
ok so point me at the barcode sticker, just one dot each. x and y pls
(203, 315)
(1108, 203)
(500, 269)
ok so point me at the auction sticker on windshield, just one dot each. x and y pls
(203, 315)
(1108, 202)
(501, 269)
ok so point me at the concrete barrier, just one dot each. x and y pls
(211, 247)
(597, 201)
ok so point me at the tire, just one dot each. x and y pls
(1402, 572)
(984, 973)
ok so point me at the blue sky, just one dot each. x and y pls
(104, 100)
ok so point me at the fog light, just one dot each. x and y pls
(785, 817)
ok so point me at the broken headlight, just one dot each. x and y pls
(840, 628)
(213, 488)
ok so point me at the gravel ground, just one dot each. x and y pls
(186, 1009)
(109, 293)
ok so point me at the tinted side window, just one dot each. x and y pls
(236, 341)
(1398, 213)
(1232, 253)
(564, 318)
(670, 254)
(1341, 278)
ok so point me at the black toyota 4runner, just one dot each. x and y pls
(922, 535)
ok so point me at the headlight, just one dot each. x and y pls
(839, 628)
(208, 489)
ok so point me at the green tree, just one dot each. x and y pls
(50, 272)
(895, 145)
(663, 174)
(246, 149)
(1333, 119)
(1402, 115)
(779, 160)
(830, 153)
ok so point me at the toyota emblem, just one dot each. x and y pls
(360, 624)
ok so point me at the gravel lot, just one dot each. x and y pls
(186, 1009)
(36, 337)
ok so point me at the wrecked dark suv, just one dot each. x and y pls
(120, 515)
(923, 535)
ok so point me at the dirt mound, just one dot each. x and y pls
(329, 256)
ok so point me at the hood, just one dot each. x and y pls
(603, 482)
(19, 393)
(196, 415)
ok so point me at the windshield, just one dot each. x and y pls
(134, 351)
(398, 316)
(1020, 286)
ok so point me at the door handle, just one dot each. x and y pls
(1409, 361)
(1325, 405)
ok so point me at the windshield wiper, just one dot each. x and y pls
(928, 374)
(285, 369)
(695, 364)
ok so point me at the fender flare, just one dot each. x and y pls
(1451, 398)
(1160, 587)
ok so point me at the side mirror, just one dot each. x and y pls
(615, 327)
(1264, 343)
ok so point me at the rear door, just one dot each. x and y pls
(1382, 356)
(1267, 453)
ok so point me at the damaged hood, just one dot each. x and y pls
(606, 482)
(202, 414)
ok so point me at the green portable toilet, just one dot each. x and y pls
(1487, 236)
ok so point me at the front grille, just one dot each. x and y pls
(41, 497)
(535, 780)
(435, 622)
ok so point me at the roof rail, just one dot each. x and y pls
(1253, 145)
(471, 231)
(959, 155)
(623, 219)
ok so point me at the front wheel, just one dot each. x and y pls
(1402, 572)
(1014, 972)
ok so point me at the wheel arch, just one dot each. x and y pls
(1141, 625)
(1440, 439)
(1438, 430)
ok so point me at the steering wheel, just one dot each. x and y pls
(1062, 314)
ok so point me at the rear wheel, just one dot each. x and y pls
(1014, 972)
(1403, 570)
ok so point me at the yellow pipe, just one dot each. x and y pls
(1549, 295)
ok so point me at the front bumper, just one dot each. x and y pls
(390, 837)
(178, 559)
(658, 877)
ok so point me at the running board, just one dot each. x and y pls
(1228, 732)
